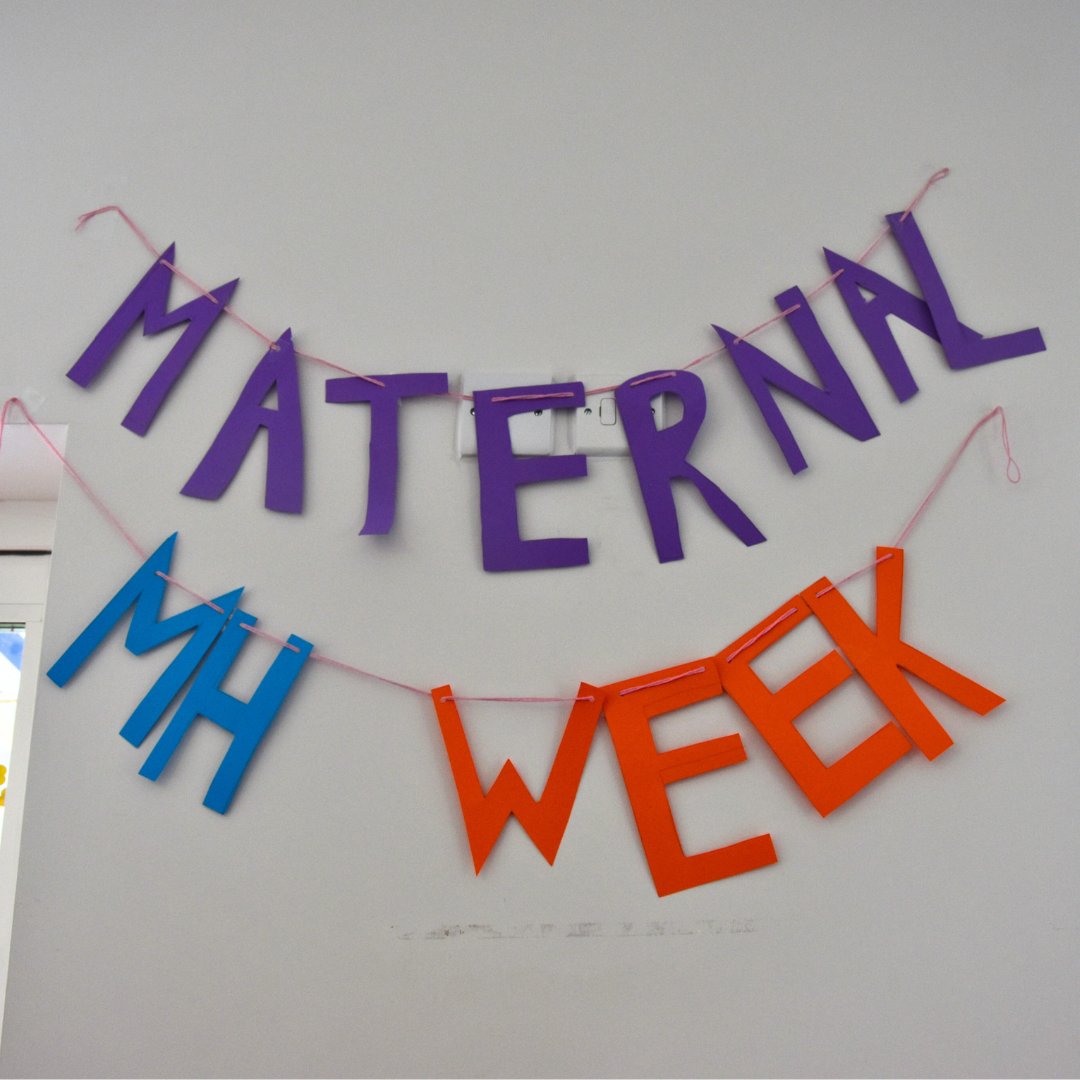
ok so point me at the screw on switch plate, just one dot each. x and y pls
(530, 433)
(597, 428)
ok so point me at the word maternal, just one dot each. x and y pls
(661, 457)
(879, 656)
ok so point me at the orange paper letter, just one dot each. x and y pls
(878, 655)
(774, 713)
(544, 819)
(628, 708)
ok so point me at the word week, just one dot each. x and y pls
(879, 656)
(660, 457)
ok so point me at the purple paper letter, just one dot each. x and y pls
(963, 347)
(284, 429)
(660, 457)
(501, 473)
(836, 399)
(934, 316)
(383, 447)
(149, 301)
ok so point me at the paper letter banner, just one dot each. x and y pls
(660, 456)
(218, 630)
(209, 636)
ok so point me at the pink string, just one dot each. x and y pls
(851, 577)
(230, 311)
(661, 682)
(269, 637)
(651, 378)
(337, 367)
(533, 397)
(761, 633)
(464, 697)
(768, 322)
(1012, 474)
(939, 175)
(1011, 466)
(714, 353)
(191, 592)
(341, 665)
(73, 472)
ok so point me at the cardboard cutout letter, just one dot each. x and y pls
(836, 398)
(629, 706)
(149, 302)
(383, 444)
(544, 819)
(143, 595)
(501, 474)
(660, 457)
(774, 712)
(880, 656)
(933, 316)
(247, 721)
(284, 429)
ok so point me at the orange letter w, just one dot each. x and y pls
(544, 819)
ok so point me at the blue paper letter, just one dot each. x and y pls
(144, 592)
(247, 721)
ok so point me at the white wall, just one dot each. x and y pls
(563, 187)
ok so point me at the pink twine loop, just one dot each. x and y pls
(939, 175)
(1012, 469)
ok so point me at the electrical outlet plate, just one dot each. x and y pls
(597, 429)
(530, 434)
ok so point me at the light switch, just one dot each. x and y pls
(597, 428)
(530, 433)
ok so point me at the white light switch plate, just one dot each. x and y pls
(597, 428)
(529, 433)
